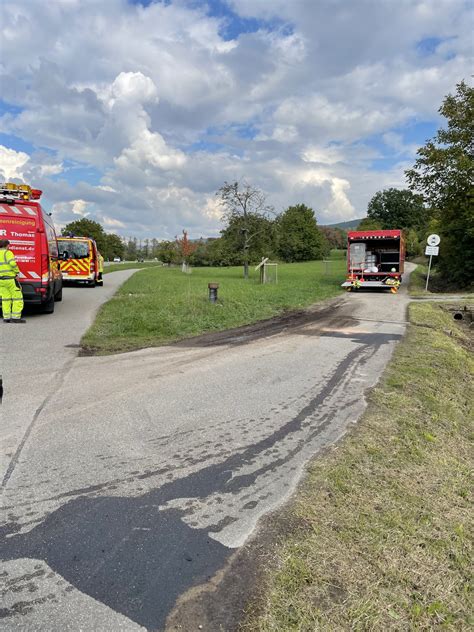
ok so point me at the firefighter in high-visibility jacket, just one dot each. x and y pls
(10, 289)
(101, 267)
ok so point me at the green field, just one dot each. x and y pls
(380, 535)
(162, 304)
(129, 265)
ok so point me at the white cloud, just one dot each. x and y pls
(12, 163)
(150, 149)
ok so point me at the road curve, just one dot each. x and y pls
(144, 471)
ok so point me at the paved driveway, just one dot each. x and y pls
(141, 473)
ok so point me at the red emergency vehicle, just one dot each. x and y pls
(30, 231)
(375, 259)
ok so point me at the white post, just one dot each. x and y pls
(428, 276)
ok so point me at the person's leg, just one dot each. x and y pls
(6, 298)
(17, 303)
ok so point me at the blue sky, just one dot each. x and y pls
(135, 113)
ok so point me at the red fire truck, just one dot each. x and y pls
(375, 259)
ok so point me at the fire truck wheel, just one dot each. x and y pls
(48, 307)
(91, 283)
(58, 297)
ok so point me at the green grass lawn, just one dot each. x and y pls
(384, 538)
(129, 265)
(161, 304)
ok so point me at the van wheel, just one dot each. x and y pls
(58, 297)
(48, 307)
(91, 283)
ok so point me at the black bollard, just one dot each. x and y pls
(213, 292)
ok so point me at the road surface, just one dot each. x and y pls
(131, 479)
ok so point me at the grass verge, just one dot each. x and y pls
(385, 523)
(438, 287)
(162, 304)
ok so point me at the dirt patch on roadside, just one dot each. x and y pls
(332, 313)
(220, 604)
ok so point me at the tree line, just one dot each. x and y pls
(250, 233)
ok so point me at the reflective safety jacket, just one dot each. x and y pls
(8, 266)
(101, 262)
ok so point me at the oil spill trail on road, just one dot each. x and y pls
(138, 558)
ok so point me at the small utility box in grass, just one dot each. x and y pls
(268, 271)
(213, 287)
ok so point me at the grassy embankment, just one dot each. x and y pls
(436, 288)
(162, 304)
(385, 521)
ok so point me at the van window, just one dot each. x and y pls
(73, 249)
(51, 236)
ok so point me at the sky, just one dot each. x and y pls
(134, 113)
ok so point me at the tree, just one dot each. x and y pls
(369, 224)
(185, 249)
(336, 237)
(444, 174)
(114, 246)
(261, 244)
(167, 252)
(243, 206)
(398, 208)
(87, 228)
(413, 245)
(299, 236)
(131, 249)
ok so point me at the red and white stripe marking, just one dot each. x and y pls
(29, 274)
(25, 211)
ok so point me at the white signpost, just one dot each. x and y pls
(432, 249)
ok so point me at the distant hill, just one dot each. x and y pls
(352, 223)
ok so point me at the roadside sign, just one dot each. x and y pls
(433, 240)
(432, 251)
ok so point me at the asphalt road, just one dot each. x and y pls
(131, 479)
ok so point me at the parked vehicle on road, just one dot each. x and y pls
(32, 236)
(79, 260)
(375, 259)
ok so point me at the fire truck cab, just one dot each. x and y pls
(30, 231)
(79, 260)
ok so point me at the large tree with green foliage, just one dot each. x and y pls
(244, 205)
(299, 238)
(444, 174)
(398, 208)
(257, 231)
(114, 246)
(87, 228)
